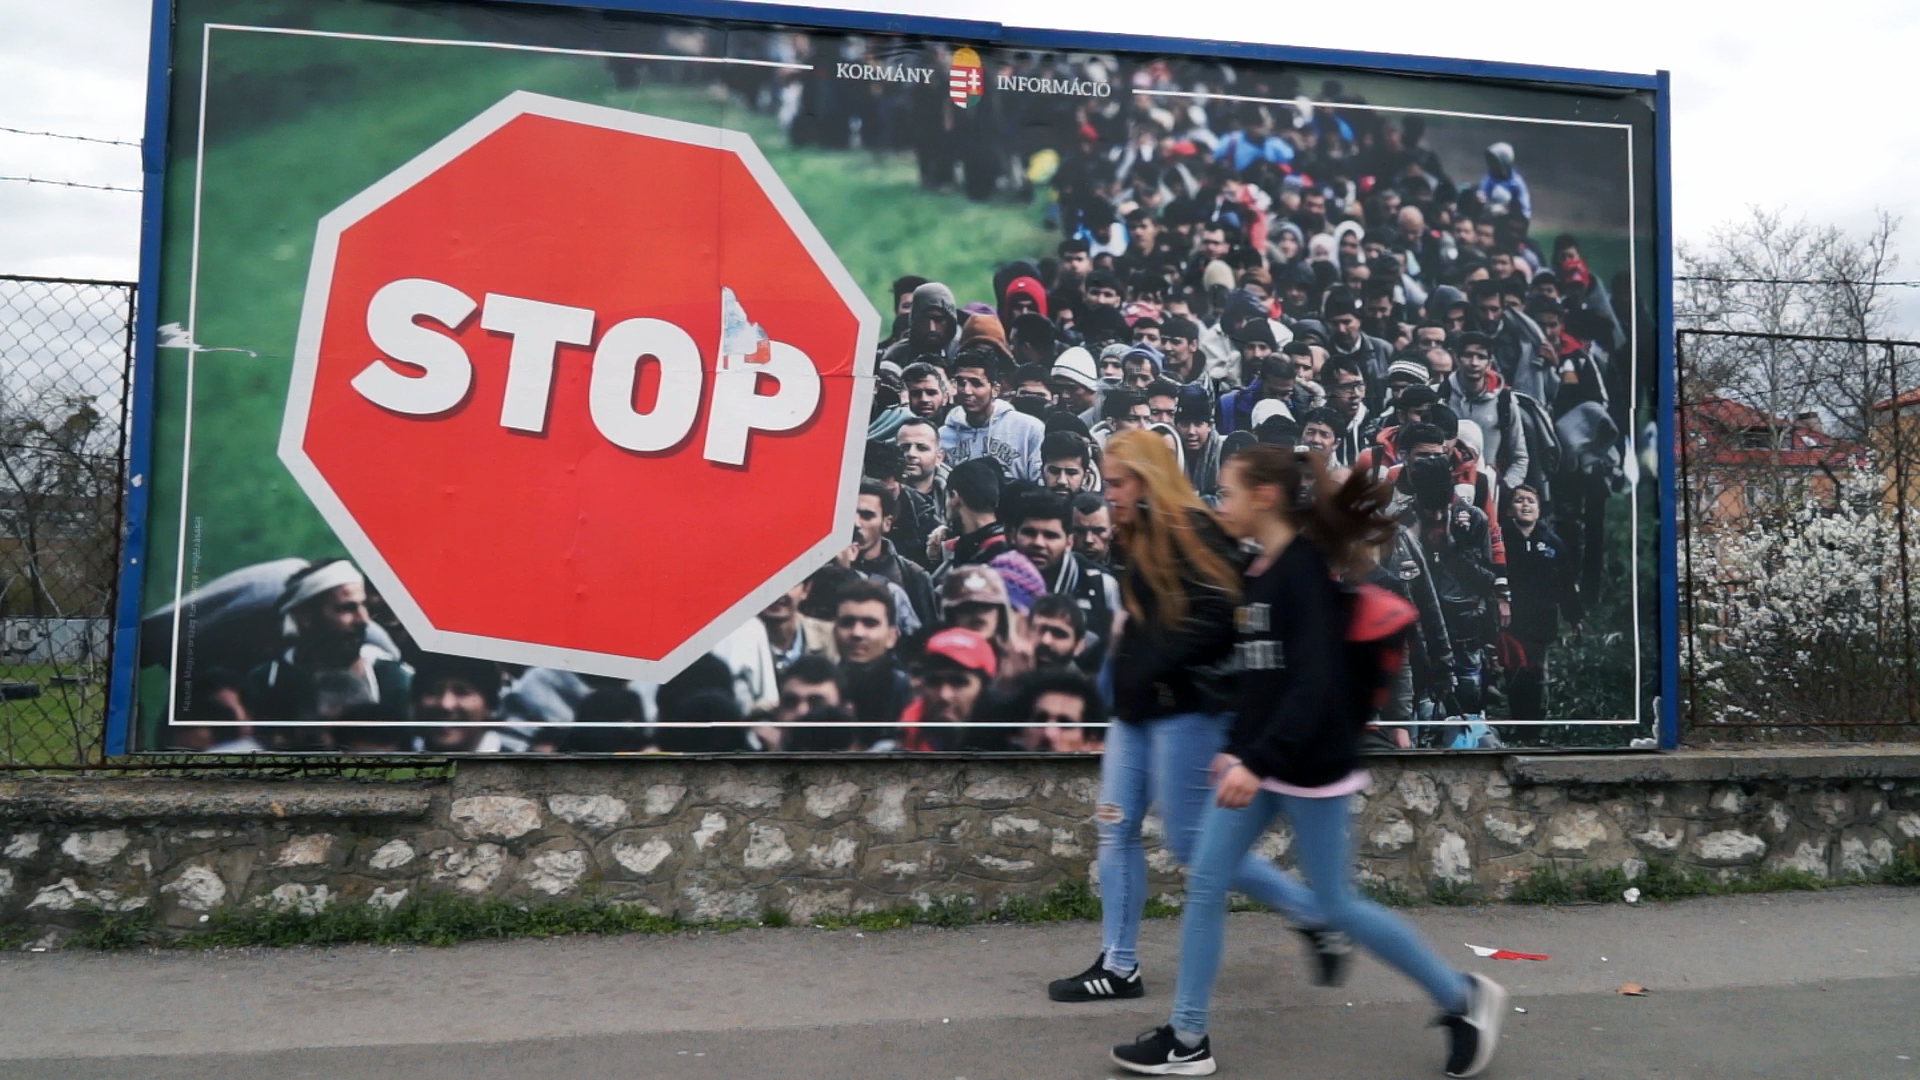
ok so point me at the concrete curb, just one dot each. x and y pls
(177, 800)
(1795, 763)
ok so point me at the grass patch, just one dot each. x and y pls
(440, 919)
(1664, 881)
(14, 936)
(435, 919)
(1067, 902)
(1905, 868)
(1452, 894)
(110, 930)
(1387, 893)
(60, 727)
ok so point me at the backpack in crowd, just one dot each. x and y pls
(1543, 439)
(1377, 624)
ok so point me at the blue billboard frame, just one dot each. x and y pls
(153, 154)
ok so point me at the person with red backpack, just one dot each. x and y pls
(1314, 657)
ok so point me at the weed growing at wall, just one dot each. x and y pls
(442, 919)
(1452, 894)
(1664, 881)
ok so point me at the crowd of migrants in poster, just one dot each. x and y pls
(560, 381)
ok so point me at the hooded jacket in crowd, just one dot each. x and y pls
(1503, 177)
(1236, 408)
(1503, 443)
(922, 339)
(1203, 467)
(1009, 436)
(1350, 440)
(1443, 300)
(1523, 357)
(1027, 287)
(1097, 594)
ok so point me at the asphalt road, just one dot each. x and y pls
(1802, 986)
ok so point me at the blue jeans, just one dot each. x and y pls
(1320, 829)
(1166, 761)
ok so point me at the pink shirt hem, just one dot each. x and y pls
(1357, 780)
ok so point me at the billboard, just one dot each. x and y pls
(538, 379)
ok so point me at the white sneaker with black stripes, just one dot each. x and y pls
(1098, 983)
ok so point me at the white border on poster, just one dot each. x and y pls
(743, 145)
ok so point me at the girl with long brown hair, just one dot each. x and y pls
(1312, 657)
(1179, 588)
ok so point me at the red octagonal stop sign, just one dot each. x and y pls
(580, 388)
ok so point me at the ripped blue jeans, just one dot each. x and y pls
(1165, 762)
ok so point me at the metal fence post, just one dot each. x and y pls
(1900, 524)
(1685, 516)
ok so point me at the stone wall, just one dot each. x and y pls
(734, 839)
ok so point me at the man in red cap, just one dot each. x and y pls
(952, 678)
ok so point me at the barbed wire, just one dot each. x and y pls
(1793, 281)
(68, 183)
(74, 138)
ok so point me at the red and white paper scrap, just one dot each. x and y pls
(1504, 954)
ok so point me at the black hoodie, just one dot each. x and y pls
(1300, 716)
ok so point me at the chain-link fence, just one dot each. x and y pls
(65, 353)
(1799, 515)
(1799, 489)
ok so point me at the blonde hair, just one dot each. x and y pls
(1162, 540)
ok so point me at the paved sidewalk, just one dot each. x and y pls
(1794, 985)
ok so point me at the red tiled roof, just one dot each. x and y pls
(1715, 423)
(1911, 397)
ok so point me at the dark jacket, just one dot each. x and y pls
(1299, 719)
(918, 516)
(980, 545)
(1375, 356)
(878, 692)
(284, 689)
(1459, 554)
(921, 340)
(1236, 408)
(894, 567)
(1543, 573)
(1521, 355)
(1092, 590)
(1403, 569)
(1159, 671)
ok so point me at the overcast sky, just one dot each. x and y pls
(1802, 106)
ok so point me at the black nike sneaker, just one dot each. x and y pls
(1159, 1053)
(1473, 1036)
(1331, 952)
(1097, 983)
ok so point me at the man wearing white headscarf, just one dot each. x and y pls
(329, 671)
